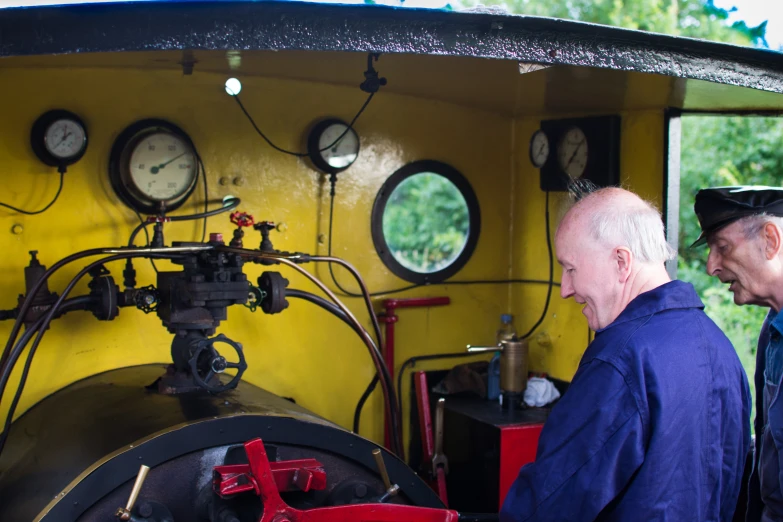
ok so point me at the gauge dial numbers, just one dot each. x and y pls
(539, 149)
(153, 166)
(59, 138)
(572, 152)
(332, 146)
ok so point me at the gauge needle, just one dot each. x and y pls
(65, 136)
(155, 169)
(574, 154)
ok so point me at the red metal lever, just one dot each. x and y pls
(242, 219)
(290, 475)
(264, 483)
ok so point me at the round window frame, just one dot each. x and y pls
(379, 207)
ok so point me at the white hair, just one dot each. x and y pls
(638, 227)
(752, 225)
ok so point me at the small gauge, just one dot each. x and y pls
(333, 146)
(539, 149)
(572, 152)
(153, 166)
(59, 138)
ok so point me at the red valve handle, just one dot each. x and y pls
(264, 483)
(242, 219)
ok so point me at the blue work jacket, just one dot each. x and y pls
(654, 426)
(769, 434)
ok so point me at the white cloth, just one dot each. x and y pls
(540, 392)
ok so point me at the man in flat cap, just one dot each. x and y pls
(656, 422)
(743, 227)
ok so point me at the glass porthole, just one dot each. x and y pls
(425, 222)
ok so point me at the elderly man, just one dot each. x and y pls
(743, 228)
(655, 424)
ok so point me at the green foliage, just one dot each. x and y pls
(426, 222)
(692, 18)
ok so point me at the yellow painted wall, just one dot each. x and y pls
(302, 353)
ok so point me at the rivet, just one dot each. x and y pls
(239, 181)
(281, 227)
(321, 239)
(224, 180)
(17, 229)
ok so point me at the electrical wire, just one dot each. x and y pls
(386, 381)
(76, 303)
(27, 303)
(48, 319)
(551, 271)
(326, 305)
(301, 154)
(347, 293)
(34, 212)
(147, 235)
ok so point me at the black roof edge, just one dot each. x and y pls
(273, 25)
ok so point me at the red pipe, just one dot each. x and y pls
(388, 317)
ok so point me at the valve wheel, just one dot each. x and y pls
(206, 362)
(242, 219)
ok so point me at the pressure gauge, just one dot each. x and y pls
(539, 149)
(153, 166)
(59, 138)
(333, 146)
(572, 152)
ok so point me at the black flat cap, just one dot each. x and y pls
(720, 206)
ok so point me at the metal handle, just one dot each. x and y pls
(382, 468)
(125, 514)
(439, 426)
(485, 349)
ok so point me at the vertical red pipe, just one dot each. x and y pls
(388, 317)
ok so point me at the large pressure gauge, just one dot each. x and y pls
(59, 138)
(153, 166)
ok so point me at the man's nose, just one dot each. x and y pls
(566, 289)
(713, 264)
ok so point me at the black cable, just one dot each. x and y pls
(357, 412)
(347, 293)
(76, 303)
(32, 213)
(147, 235)
(301, 154)
(551, 271)
(206, 194)
(48, 319)
(334, 310)
(323, 303)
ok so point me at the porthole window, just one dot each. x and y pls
(425, 222)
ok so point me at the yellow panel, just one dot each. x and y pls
(303, 352)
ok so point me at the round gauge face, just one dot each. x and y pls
(539, 149)
(162, 166)
(343, 153)
(572, 152)
(65, 139)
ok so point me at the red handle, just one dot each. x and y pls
(242, 219)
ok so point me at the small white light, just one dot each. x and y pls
(233, 86)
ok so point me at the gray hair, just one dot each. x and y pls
(638, 227)
(753, 225)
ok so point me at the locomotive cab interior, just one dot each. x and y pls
(213, 283)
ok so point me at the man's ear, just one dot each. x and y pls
(624, 259)
(772, 240)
